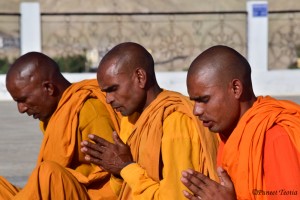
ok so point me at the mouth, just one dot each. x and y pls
(117, 108)
(207, 123)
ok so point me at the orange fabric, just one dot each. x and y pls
(63, 126)
(147, 132)
(59, 145)
(243, 152)
(64, 121)
(281, 165)
(7, 190)
(52, 181)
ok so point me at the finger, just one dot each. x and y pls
(92, 153)
(190, 196)
(193, 186)
(225, 179)
(117, 139)
(86, 145)
(93, 160)
(99, 140)
(201, 178)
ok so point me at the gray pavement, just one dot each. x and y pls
(20, 140)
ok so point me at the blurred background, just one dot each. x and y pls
(78, 33)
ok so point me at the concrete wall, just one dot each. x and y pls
(143, 5)
(279, 83)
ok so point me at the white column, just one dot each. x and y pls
(30, 27)
(258, 35)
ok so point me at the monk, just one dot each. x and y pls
(67, 113)
(159, 134)
(260, 148)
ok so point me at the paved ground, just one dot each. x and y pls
(20, 140)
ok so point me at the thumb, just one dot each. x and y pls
(224, 178)
(117, 139)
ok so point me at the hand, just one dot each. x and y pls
(110, 157)
(204, 188)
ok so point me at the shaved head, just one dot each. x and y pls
(226, 64)
(36, 84)
(129, 56)
(33, 63)
(219, 81)
(126, 74)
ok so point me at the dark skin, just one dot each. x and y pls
(36, 84)
(111, 157)
(202, 186)
(126, 74)
(219, 82)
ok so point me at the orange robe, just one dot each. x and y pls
(76, 116)
(166, 139)
(262, 153)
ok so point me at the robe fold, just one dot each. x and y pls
(166, 139)
(250, 151)
(82, 110)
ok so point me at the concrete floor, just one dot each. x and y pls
(20, 140)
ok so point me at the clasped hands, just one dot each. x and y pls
(202, 187)
(110, 157)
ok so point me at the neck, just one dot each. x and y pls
(244, 107)
(152, 93)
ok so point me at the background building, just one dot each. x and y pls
(80, 32)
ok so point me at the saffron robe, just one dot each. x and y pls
(81, 110)
(262, 153)
(165, 140)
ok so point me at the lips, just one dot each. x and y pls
(117, 108)
(207, 123)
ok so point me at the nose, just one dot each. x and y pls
(198, 109)
(22, 107)
(109, 98)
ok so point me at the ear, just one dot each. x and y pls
(48, 87)
(237, 88)
(141, 76)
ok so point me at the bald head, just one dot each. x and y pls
(223, 64)
(127, 57)
(126, 74)
(36, 84)
(34, 64)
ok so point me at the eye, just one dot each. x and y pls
(205, 99)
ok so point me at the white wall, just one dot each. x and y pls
(276, 83)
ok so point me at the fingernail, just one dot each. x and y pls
(184, 173)
(185, 193)
(184, 180)
(190, 171)
(84, 142)
(91, 136)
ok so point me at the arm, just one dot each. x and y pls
(281, 164)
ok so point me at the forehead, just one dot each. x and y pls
(109, 74)
(202, 82)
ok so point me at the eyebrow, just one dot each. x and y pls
(109, 89)
(199, 98)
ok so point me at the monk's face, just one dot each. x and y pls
(215, 104)
(122, 90)
(31, 97)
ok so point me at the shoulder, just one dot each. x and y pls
(91, 109)
(178, 124)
